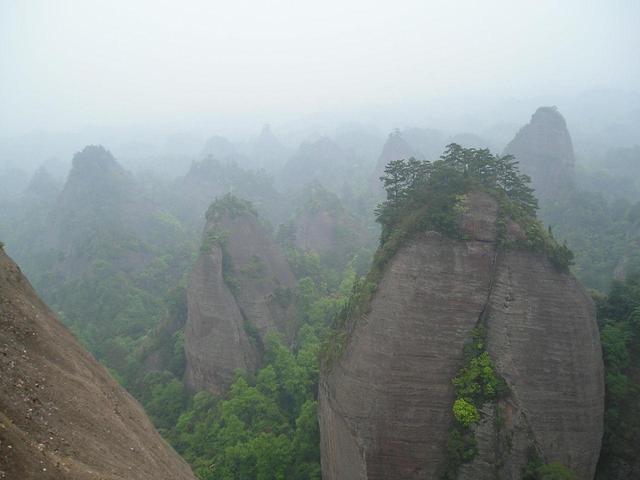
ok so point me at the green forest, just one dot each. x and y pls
(131, 315)
(339, 240)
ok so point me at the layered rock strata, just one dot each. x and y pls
(386, 403)
(240, 288)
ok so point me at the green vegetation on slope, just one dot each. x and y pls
(114, 311)
(619, 320)
(475, 384)
(602, 233)
(265, 426)
(423, 195)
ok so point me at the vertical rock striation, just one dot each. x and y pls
(239, 289)
(386, 402)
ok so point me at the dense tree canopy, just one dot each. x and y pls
(412, 184)
(619, 319)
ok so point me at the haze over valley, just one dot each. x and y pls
(286, 240)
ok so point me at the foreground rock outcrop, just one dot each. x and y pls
(385, 402)
(62, 416)
(544, 151)
(239, 289)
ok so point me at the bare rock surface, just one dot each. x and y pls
(386, 402)
(216, 341)
(237, 293)
(62, 416)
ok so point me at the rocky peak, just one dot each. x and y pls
(544, 151)
(100, 200)
(95, 177)
(395, 148)
(240, 288)
(388, 403)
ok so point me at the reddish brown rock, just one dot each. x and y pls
(62, 416)
(386, 402)
(239, 290)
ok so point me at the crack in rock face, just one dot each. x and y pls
(385, 406)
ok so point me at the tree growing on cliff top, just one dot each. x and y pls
(411, 184)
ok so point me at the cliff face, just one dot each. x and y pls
(545, 152)
(239, 289)
(386, 402)
(61, 413)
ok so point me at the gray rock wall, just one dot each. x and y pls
(226, 323)
(385, 404)
(216, 343)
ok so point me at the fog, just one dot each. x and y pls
(155, 72)
(333, 239)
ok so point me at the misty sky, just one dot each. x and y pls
(68, 64)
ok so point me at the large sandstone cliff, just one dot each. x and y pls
(239, 289)
(62, 416)
(386, 402)
(544, 151)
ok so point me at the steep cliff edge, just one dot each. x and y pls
(61, 413)
(395, 395)
(239, 289)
